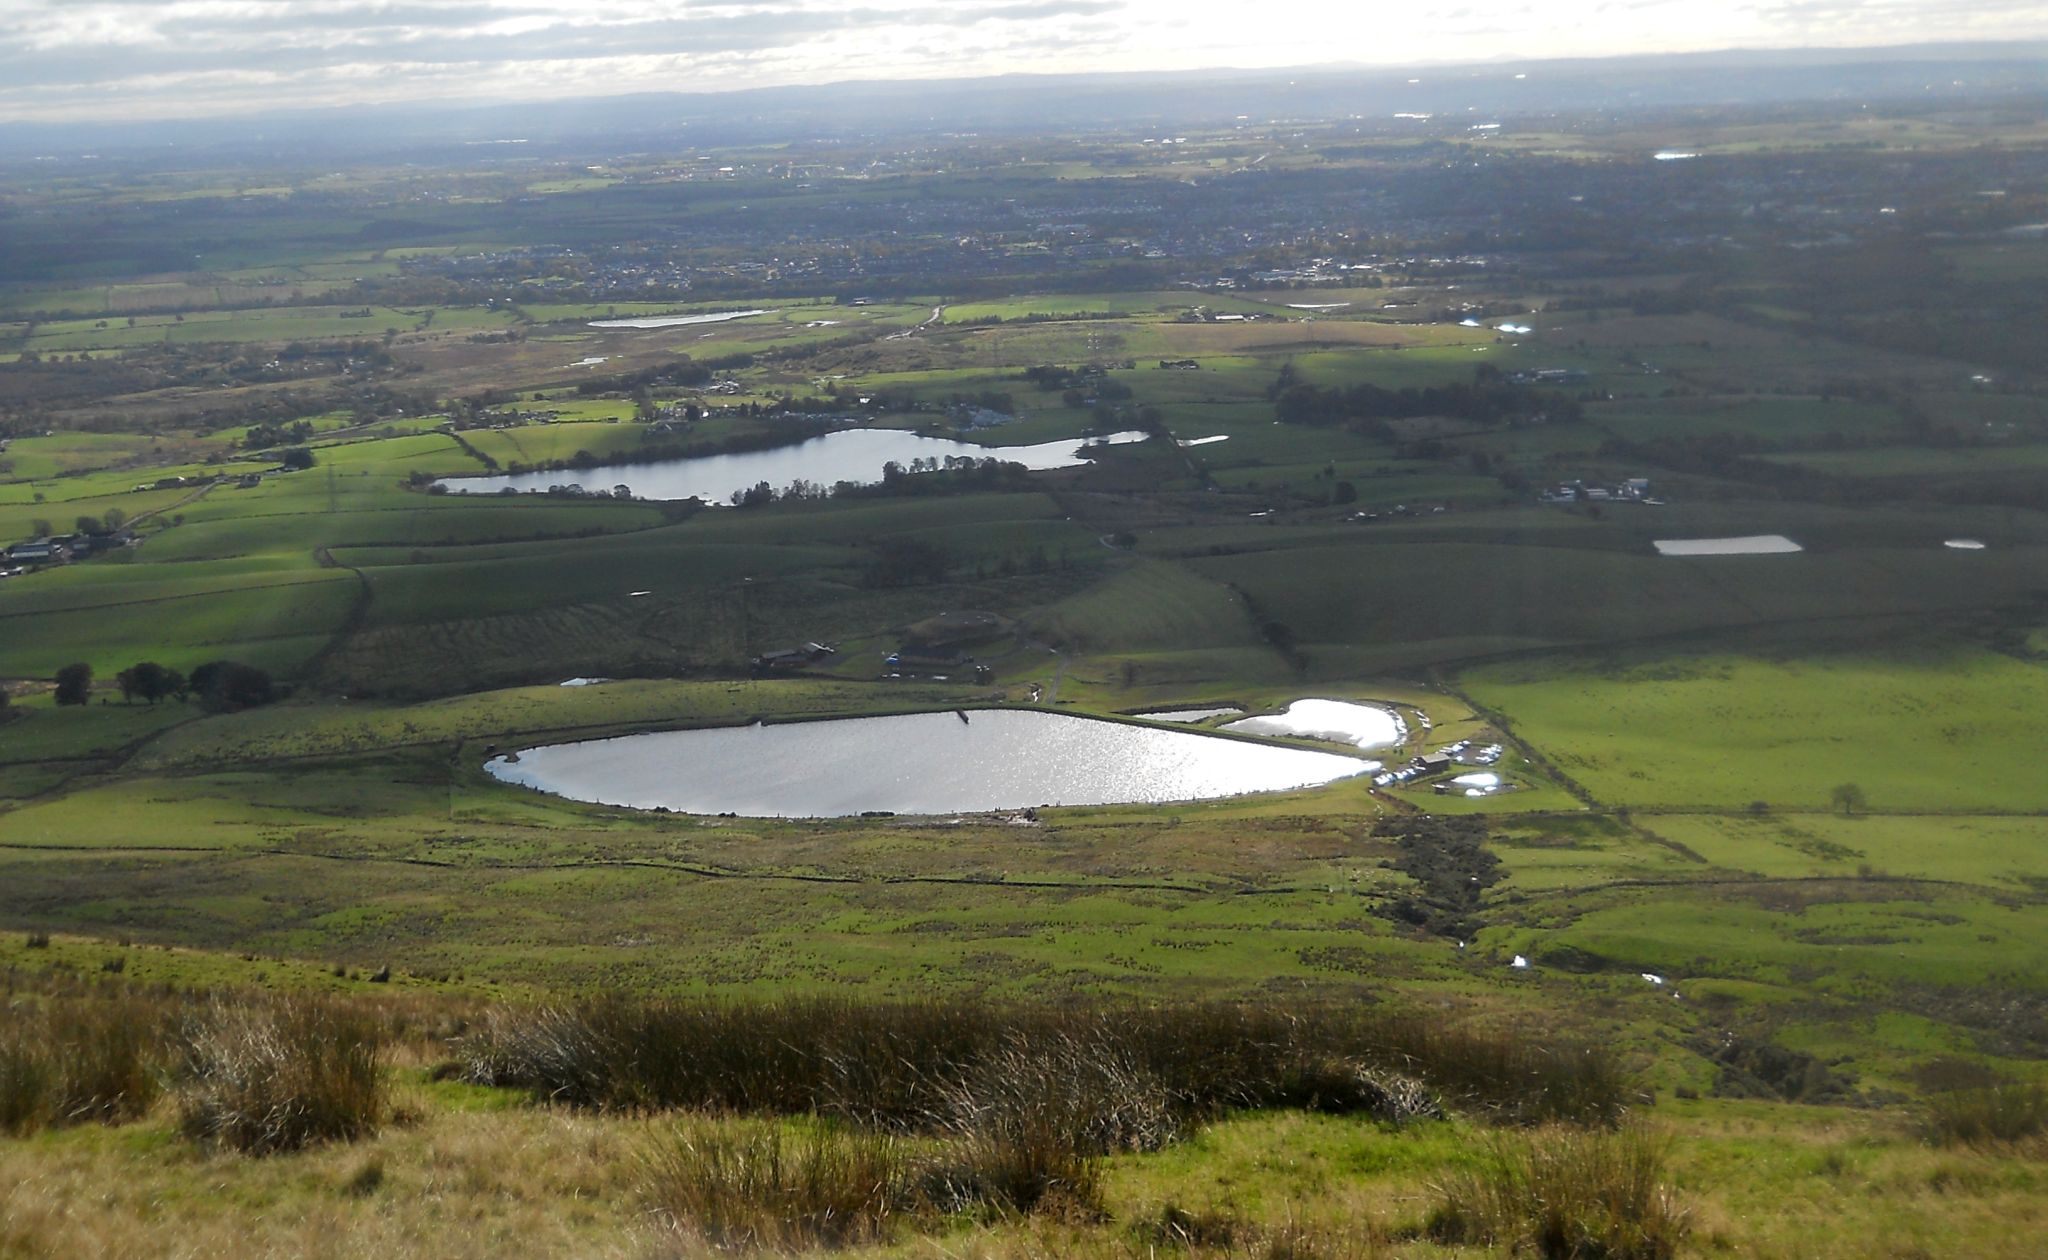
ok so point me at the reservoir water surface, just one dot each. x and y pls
(855, 455)
(924, 763)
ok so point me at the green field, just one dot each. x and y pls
(1922, 732)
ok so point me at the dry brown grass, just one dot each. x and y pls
(738, 1185)
(280, 1075)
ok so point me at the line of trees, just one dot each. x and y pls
(219, 686)
(1489, 399)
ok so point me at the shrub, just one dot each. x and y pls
(1565, 1194)
(1992, 1115)
(277, 1077)
(742, 1185)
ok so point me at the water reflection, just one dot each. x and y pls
(1339, 721)
(855, 455)
(926, 763)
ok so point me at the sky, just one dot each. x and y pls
(172, 58)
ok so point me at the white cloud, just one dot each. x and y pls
(96, 57)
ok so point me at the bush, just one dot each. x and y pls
(74, 683)
(278, 1077)
(225, 686)
(743, 1185)
(1993, 1115)
(1565, 1194)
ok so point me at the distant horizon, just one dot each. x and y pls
(1990, 52)
(163, 60)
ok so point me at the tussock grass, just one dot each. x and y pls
(1565, 1194)
(754, 1184)
(89, 1060)
(2009, 1114)
(268, 1077)
(1151, 1071)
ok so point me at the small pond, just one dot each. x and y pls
(1339, 721)
(923, 763)
(1750, 545)
(855, 455)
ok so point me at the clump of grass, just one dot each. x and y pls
(268, 1077)
(25, 1077)
(754, 1184)
(1091, 1093)
(1016, 1161)
(1183, 1229)
(1565, 1194)
(79, 1060)
(2005, 1114)
(108, 1054)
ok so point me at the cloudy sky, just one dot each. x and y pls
(163, 58)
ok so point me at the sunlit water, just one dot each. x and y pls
(855, 455)
(925, 763)
(1340, 721)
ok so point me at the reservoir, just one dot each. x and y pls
(855, 455)
(922, 763)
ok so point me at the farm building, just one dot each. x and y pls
(40, 551)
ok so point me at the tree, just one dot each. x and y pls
(223, 686)
(90, 525)
(1848, 797)
(41, 527)
(150, 681)
(74, 683)
(297, 457)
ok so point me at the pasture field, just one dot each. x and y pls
(1925, 732)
